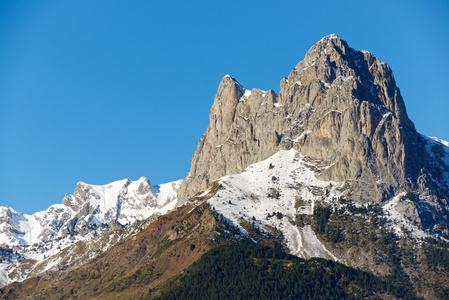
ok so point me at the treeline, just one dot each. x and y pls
(248, 271)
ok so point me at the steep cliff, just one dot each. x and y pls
(339, 106)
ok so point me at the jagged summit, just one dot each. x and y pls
(339, 106)
(91, 211)
(332, 61)
(330, 167)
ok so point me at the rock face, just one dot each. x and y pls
(339, 106)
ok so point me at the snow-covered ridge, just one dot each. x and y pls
(91, 211)
(119, 203)
(445, 143)
(439, 150)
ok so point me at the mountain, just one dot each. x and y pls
(331, 170)
(91, 211)
(142, 261)
(339, 106)
(191, 253)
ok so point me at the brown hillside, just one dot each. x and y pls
(134, 269)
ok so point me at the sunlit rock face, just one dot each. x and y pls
(339, 106)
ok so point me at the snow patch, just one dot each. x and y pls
(399, 222)
(271, 193)
(434, 142)
(445, 143)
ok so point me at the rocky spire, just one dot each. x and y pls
(339, 106)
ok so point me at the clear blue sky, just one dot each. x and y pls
(97, 91)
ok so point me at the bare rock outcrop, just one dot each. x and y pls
(340, 106)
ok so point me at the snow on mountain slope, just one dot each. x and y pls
(274, 193)
(271, 193)
(445, 143)
(439, 150)
(434, 142)
(115, 204)
(167, 193)
(91, 211)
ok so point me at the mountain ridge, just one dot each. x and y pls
(338, 105)
(331, 167)
(92, 210)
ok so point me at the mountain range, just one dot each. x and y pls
(330, 170)
(91, 212)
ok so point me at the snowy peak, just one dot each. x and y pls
(116, 204)
(86, 192)
(11, 228)
(90, 212)
(143, 186)
(166, 193)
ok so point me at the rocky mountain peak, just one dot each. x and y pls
(144, 186)
(332, 62)
(332, 167)
(338, 106)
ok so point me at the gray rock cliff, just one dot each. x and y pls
(339, 106)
